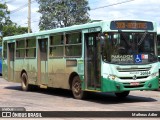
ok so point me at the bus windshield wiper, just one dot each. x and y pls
(124, 38)
(142, 38)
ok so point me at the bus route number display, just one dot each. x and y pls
(131, 25)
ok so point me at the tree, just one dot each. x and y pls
(62, 13)
(4, 16)
(7, 27)
(13, 29)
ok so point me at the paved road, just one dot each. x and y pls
(62, 100)
(57, 99)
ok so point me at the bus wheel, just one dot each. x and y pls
(122, 94)
(76, 88)
(24, 82)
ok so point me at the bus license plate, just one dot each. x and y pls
(134, 83)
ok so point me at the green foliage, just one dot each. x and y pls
(4, 16)
(62, 13)
(7, 27)
(9, 30)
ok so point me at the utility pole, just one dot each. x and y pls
(29, 16)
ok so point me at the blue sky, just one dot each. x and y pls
(133, 9)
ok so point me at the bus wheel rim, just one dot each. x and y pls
(77, 88)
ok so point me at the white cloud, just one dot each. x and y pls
(137, 9)
(11, 7)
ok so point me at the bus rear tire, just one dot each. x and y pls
(76, 88)
(24, 82)
(122, 94)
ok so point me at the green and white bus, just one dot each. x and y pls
(106, 56)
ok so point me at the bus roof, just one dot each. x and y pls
(57, 30)
(66, 29)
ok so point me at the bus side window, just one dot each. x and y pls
(20, 48)
(31, 47)
(73, 46)
(56, 46)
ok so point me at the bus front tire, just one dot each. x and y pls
(77, 91)
(122, 94)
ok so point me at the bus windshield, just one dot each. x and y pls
(129, 48)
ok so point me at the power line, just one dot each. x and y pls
(21, 7)
(31, 22)
(35, 21)
(25, 16)
(112, 4)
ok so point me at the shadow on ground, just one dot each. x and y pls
(103, 98)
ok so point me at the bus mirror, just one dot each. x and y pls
(115, 36)
(102, 38)
(115, 39)
(130, 37)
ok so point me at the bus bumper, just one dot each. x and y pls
(114, 86)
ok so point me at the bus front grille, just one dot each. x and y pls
(133, 86)
(132, 69)
(131, 78)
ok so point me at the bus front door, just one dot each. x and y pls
(11, 53)
(92, 61)
(42, 61)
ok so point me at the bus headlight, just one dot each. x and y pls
(112, 77)
(156, 74)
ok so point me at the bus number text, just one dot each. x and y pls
(145, 73)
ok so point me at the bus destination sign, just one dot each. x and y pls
(131, 25)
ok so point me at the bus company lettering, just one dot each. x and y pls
(121, 58)
(27, 114)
